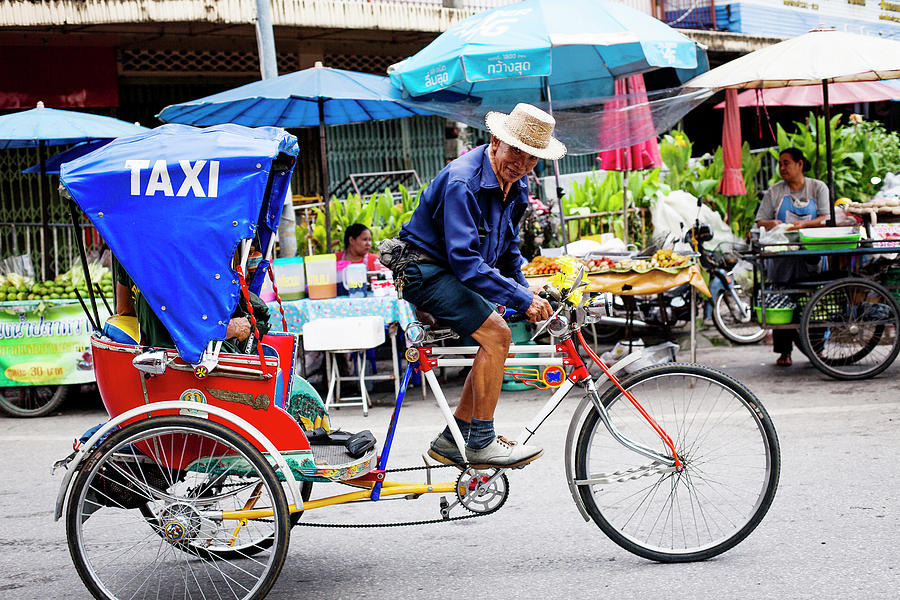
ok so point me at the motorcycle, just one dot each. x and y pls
(658, 315)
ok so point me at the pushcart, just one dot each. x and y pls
(847, 320)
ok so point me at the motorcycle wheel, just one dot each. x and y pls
(734, 329)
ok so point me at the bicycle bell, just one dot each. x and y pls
(557, 325)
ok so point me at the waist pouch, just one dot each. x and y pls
(396, 254)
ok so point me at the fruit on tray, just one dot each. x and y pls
(541, 265)
(631, 264)
(597, 265)
(668, 259)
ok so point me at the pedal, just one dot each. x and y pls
(445, 508)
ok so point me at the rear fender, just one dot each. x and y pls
(86, 448)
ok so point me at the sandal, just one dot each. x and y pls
(784, 360)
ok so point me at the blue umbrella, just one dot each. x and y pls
(313, 97)
(52, 127)
(565, 53)
(52, 164)
(40, 127)
(307, 98)
(572, 50)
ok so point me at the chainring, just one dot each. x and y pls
(482, 492)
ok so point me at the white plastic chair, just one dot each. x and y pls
(346, 334)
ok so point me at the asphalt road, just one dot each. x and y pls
(832, 531)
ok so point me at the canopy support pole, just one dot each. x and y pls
(624, 203)
(326, 197)
(559, 190)
(832, 221)
(79, 237)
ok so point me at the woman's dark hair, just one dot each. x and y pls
(797, 156)
(353, 231)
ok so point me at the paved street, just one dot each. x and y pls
(832, 531)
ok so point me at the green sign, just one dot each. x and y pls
(45, 343)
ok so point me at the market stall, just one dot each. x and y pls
(847, 317)
(646, 282)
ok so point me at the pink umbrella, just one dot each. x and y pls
(811, 95)
(642, 155)
(732, 183)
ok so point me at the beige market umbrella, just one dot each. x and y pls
(819, 57)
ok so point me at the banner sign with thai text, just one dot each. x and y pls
(45, 344)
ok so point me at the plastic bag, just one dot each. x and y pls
(675, 213)
(17, 271)
(776, 235)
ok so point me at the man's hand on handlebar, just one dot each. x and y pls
(539, 310)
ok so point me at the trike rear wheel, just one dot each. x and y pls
(725, 440)
(147, 515)
(849, 329)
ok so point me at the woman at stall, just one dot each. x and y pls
(357, 243)
(799, 202)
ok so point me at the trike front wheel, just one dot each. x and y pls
(161, 509)
(730, 455)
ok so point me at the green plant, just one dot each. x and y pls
(607, 196)
(860, 150)
(741, 210)
(381, 213)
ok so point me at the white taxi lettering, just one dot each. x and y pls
(160, 180)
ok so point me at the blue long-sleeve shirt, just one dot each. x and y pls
(463, 221)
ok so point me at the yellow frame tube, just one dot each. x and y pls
(387, 489)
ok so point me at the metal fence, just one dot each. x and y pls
(689, 14)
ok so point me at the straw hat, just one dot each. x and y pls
(528, 128)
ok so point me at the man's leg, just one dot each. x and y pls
(482, 388)
(479, 399)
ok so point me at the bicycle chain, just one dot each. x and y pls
(398, 523)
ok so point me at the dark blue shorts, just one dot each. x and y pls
(436, 290)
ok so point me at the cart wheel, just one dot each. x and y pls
(148, 514)
(849, 329)
(32, 400)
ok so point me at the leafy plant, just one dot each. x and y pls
(382, 213)
(701, 177)
(860, 150)
(607, 196)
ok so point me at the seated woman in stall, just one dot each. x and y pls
(357, 246)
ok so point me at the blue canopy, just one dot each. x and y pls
(577, 48)
(53, 127)
(174, 203)
(52, 164)
(293, 100)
